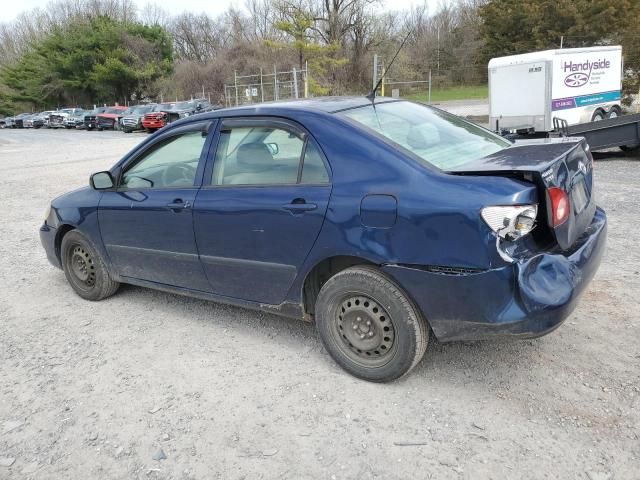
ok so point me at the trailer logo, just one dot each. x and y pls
(580, 72)
(576, 80)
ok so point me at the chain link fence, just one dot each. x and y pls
(267, 86)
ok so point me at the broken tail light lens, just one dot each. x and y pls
(559, 206)
(511, 221)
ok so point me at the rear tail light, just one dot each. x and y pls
(559, 205)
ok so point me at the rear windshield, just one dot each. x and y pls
(437, 138)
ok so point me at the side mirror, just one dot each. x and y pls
(101, 181)
(199, 106)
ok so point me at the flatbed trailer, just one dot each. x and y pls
(622, 131)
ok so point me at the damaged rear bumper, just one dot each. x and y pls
(528, 298)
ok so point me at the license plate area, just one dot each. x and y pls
(579, 197)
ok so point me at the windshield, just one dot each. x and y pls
(97, 110)
(113, 110)
(436, 137)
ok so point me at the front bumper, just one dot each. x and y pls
(153, 123)
(528, 298)
(48, 240)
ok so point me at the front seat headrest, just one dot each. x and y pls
(255, 156)
(422, 136)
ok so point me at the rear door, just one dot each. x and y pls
(262, 210)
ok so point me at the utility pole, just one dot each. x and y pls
(261, 86)
(235, 82)
(561, 40)
(375, 70)
(438, 52)
(275, 83)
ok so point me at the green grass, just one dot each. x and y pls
(453, 93)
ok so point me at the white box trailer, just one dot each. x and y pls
(577, 85)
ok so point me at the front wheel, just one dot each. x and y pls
(369, 326)
(598, 115)
(85, 270)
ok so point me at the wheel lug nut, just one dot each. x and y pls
(368, 322)
(362, 336)
(355, 327)
(371, 334)
(358, 319)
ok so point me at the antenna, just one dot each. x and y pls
(372, 94)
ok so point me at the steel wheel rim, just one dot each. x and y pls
(82, 267)
(363, 331)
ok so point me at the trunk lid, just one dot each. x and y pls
(565, 163)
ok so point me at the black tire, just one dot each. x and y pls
(598, 115)
(89, 129)
(614, 112)
(630, 149)
(126, 130)
(369, 325)
(85, 270)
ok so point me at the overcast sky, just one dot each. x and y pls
(9, 9)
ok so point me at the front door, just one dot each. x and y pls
(147, 222)
(262, 212)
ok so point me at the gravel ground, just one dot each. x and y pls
(102, 390)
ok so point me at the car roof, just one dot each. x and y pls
(323, 104)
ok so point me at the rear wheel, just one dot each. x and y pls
(85, 270)
(598, 115)
(614, 112)
(631, 149)
(369, 326)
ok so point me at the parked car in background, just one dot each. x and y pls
(27, 122)
(19, 120)
(132, 120)
(76, 120)
(57, 118)
(90, 119)
(3, 122)
(166, 113)
(108, 120)
(383, 221)
(41, 119)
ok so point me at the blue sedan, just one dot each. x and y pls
(384, 222)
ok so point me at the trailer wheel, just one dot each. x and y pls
(614, 112)
(598, 115)
(630, 149)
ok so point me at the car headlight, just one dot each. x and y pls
(511, 222)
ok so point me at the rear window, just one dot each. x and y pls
(435, 137)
